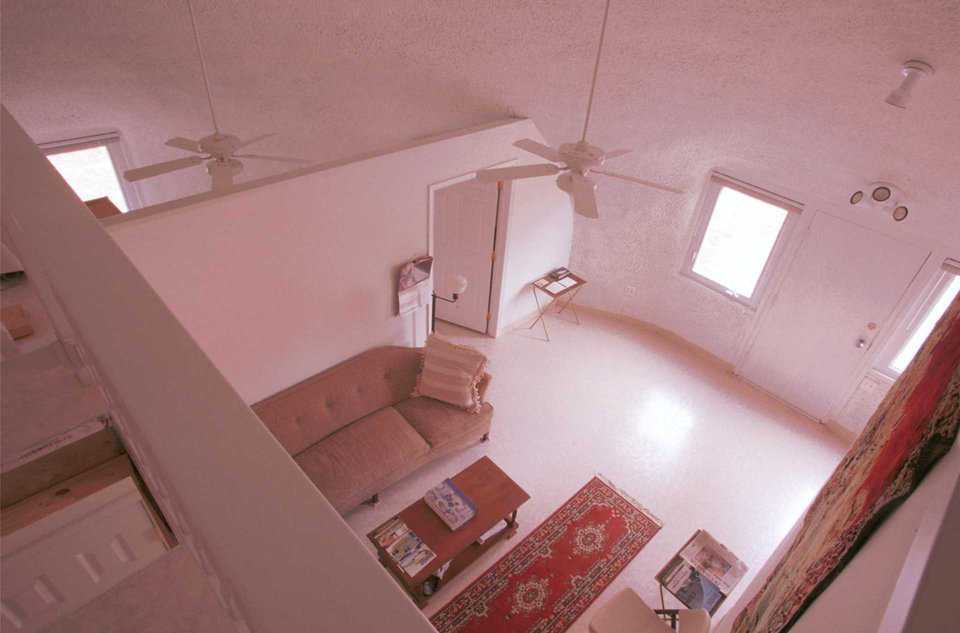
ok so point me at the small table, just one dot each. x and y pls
(702, 574)
(567, 286)
(497, 498)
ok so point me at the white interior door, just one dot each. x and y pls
(812, 340)
(465, 226)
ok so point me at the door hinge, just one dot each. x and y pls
(493, 256)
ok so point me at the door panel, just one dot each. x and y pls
(813, 338)
(465, 221)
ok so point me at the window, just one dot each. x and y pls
(92, 166)
(739, 229)
(925, 319)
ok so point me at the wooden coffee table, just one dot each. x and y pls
(497, 498)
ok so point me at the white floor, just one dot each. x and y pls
(697, 446)
(671, 427)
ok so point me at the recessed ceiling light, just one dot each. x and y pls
(881, 193)
(856, 197)
(900, 213)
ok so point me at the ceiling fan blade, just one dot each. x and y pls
(539, 149)
(616, 153)
(251, 141)
(280, 159)
(639, 181)
(185, 144)
(149, 171)
(584, 193)
(513, 173)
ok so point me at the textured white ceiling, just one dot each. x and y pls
(793, 90)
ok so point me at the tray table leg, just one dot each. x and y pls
(569, 304)
(541, 310)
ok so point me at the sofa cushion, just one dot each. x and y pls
(441, 424)
(357, 455)
(451, 373)
(302, 415)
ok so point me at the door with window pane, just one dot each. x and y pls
(838, 293)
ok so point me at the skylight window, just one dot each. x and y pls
(92, 167)
(930, 313)
(739, 231)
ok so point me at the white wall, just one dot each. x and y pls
(933, 604)
(857, 600)
(281, 280)
(634, 254)
(276, 550)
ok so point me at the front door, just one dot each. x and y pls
(840, 290)
(465, 226)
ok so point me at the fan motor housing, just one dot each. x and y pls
(219, 145)
(582, 156)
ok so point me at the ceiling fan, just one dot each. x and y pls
(577, 161)
(217, 150)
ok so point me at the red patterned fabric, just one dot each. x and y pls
(914, 426)
(546, 581)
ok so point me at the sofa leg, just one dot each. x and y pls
(486, 437)
(374, 500)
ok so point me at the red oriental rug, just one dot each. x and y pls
(544, 583)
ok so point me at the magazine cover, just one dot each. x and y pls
(450, 504)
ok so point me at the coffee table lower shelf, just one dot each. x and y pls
(457, 564)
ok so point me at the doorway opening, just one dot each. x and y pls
(466, 233)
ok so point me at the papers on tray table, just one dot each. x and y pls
(560, 285)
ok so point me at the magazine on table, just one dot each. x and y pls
(450, 504)
(404, 546)
(705, 554)
(703, 573)
(692, 588)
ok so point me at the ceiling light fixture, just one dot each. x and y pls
(913, 71)
(883, 196)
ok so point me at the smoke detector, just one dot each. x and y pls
(884, 197)
(913, 71)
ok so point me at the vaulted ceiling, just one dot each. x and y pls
(791, 90)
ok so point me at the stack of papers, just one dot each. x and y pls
(560, 285)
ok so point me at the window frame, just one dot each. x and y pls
(949, 269)
(715, 182)
(112, 141)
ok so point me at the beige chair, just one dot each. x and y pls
(628, 613)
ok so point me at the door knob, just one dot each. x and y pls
(861, 343)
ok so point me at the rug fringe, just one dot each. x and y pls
(629, 498)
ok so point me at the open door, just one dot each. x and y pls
(465, 229)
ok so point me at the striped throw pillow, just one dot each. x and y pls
(451, 373)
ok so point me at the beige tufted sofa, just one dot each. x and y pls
(354, 429)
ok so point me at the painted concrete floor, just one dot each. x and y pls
(698, 447)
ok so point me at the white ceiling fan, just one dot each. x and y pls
(217, 150)
(575, 162)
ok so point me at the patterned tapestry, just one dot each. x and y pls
(913, 427)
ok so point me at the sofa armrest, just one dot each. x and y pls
(482, 386)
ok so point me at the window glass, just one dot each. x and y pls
(738, 241)
(926, 325)
(90, 173)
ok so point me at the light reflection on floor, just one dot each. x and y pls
(695, 445)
